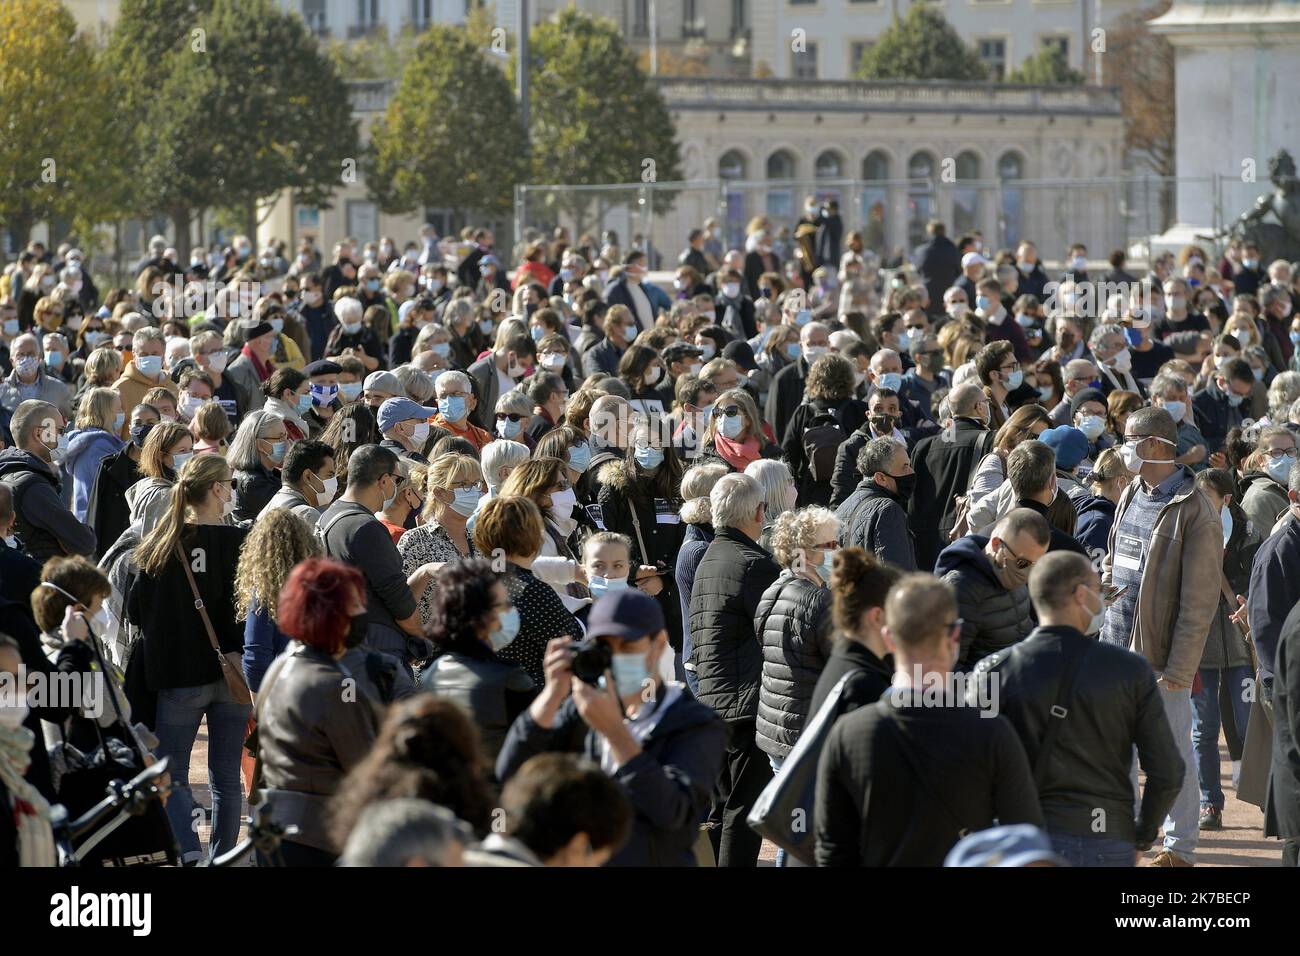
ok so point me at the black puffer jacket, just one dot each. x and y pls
(494, 691)
(729, 583)
(875, 519)
(793, 625)
(992, 617)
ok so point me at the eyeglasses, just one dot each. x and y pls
(1014, 367)
(1280, 452)
(513, 416)
(1021, 563)
(465, 486)
(826, 546)
(729, 410)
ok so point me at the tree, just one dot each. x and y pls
(1141, 64)
(56, 98)
(1047, 67)
(451, 135)
(594, 117)
(921, 46)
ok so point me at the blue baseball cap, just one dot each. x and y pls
(628, 615)
(396, 410)
(1070, 445)
(1017, 845)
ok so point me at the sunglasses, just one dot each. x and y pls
(1021, 563)
(513, 416)
(729, 410)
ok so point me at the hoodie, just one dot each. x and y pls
(47, 527)
(1096, 515)
(87, 448)
(992, 617)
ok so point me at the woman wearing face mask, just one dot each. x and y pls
(828, 402)
(101, 369)
(288, 395)
(779, 349)
(545, 482)
(26, 838)
(1105, 483)
(452, 487)
(473, 619)
(314, 727)
(100, 420)
(514, 413)
(107, 510)
(404, 508)
(176, 652)
(734, 434)
(166, 448)
(256, 454)
(642, 371)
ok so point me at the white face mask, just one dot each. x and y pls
(12, 715)
(326, 494)
(563, 503)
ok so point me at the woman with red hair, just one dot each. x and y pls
(311, 731)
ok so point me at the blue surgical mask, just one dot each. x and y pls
(118, 421)
(802, 317)
(1015, 379)
(441, 349)
(323, 394)
(1092, 426)
(537, 332)
(486, 326)
(630, 673)
(507, 629)
(1176, 410)
(1279, 469)
(1234, 399)
(1295, 338)
(824, 569)
(277, 325)
(792, 350)
(452, 407)
(372, 285)
(466, 502)
(508, 429)
(1045, 393)
(149, 365)
(1225, 519)
(732, 426)
(981, 302)
(53, 360)
(599, 586)
(580, 457)
(277, 451)
(891, 380)
(649, 457)
(350, 391)
(303, 405)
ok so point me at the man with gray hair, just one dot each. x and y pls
(29, 380)
(944, 464)
(1114, 359)
(1169, 391)
(786, 391)
(407, 832)
(1163, 572)
(145, 370)
(1077, 375)
(874, 517)
(728, 660)
(31, 470)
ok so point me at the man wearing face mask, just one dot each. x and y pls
(883, 417)
(456, 402)
(627, 290)
(1001, 327)
(1163, 570)
(1218, 407)
(787, 390)
(1110, 347)
(990, 576)
(31, 470)
(661, 746)
(30, 381)
(309, 483)
(405, 427)
(874, 517)
(1076, 376)
(735, 310)
(1080, 707)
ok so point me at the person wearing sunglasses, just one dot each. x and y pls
(514, 413)
(989, 575)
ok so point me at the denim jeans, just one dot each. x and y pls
(180, 710)
(776, 768)
(1182, 825)
(1205, 725)
(1093, 850)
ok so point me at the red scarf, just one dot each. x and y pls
(263, 369)
(737, 454)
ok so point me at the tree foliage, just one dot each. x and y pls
(1047, 67)
(451, 135)
(56, 109)
(921, 46)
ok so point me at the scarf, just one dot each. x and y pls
(737, 454)
(263, 369)
(31, 812)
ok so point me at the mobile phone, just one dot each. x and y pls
(1111, 594)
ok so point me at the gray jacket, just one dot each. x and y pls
(244, 377)
(48, 389)
(294, 500)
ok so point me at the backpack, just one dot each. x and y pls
(822, 438)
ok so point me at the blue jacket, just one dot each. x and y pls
(694, 543)
(87, 448)
(668, 784)
(1096, 515)
(263, 642)
(1274, 590)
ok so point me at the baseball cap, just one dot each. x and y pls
(384, 382)
(628, 615)
(1017, 845)
(973, 258)
(1070, 445)
(396, 410)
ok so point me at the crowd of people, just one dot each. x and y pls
(467, 556)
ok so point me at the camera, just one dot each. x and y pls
(590, 660)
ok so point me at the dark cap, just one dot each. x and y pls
(740, 353)
(680, 350)
(628, 615)
(181, 367)
(1086, 395)
(322, 367)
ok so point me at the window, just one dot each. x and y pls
(363, 220)
(367, 18)
(830, 165)
(313, 13)
(641, 18)
(993, 51)
(875, 201)
(804, 65)
(780, 201)
(966, 194)
(731, 165)
(1010, 168)
(421, 13)
(1061, 43)
(920, 196)
(780, 165)
(857, 50)
(693, 24)
(739, 18)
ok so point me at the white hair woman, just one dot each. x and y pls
(779, 492)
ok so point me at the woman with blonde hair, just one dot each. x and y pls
(1096, 510)
(451, 488)
(183, 600)
(734, 434)
(1027, 421)
(211, 428)
(407, 501)
(100, 420)
(166, 450)
(545, 482)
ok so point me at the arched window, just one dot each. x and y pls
(780, 199)
(830, 165)
(920, 196)
(875, 201)
(731, 165)
(966, 194)
(1011, 167)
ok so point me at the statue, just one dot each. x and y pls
(1280, 239)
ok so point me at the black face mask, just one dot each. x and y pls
(883, 424)
(139, 433)
(905, 484)
(356, 632)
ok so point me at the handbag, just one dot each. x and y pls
(783, 812)
(231, 663)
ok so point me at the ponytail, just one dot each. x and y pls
(192, 485)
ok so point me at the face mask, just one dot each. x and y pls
(53, 360)
(1259, 375)
(11, 327)
(303, 404)
(1045, 393)
(326, 494)
(1295, 338)
(1250, 263)
(813, 352)
(118, 421)
(957, 309)
(277, 451)
(1122, 361)
(654, 374)
(1279, 469)
(60, 451)
(1233, 398)
(179, 459)
(882, 425)
(553, 361)
(982, 303)
(708, 350)
(228, 506)
(1176, 410)
(563, 503)
(323, 394)
(507, 629)
(312, 298)
(792, 350)
(11, 541)
(485, 326)
(351, 328)
(1010, 575)
(802, 317)
(1099, 618)
(599, 586)
(452, 407)
(913, 340)
(350, 390)
(139, 433)
(891, 380)
(277, 325)
(1078, 264)
(1015, 379)
(1092, 426)
(1225, 519)
(372, 285)
(434, 285)
(732, 426)
(27, 366)
(465, 502)
(12, 715)
(217, 361)
(94, 338)
(824, 569)
(905, 484)
(649, 457)
(1133, 461)
(580, 457)
(508, 429)
(629, 672)
(731, 290)
(388, 502)
(537, 332)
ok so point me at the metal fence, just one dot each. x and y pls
(1103, 214)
